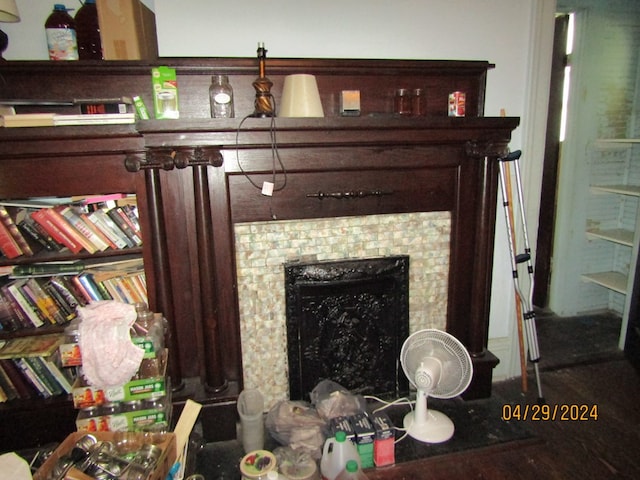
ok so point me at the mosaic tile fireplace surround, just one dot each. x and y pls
(263, 248)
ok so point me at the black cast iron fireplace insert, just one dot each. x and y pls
(346, 321)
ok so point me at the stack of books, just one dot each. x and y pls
(35, 296)
(30, 367)
(91, 224)
(89, 111)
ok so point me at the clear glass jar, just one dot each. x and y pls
(221, 97)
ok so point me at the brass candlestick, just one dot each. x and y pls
(264, 106)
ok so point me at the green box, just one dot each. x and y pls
(165, 92)
(365, 434)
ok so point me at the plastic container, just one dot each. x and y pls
(221, 97)
(257, 465)
(352, 471)
(60, 29)
(88, 32)
(337, 451)
(250, 409)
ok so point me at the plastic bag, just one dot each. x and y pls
(295, 463)
(297, 425)
(332, 400)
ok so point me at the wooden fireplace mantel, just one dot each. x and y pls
(194, 180)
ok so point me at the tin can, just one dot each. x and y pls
(457, 104)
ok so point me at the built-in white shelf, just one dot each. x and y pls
(615, 235)
(612, 280)
(631, 190)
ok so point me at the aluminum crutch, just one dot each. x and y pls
(528, 315)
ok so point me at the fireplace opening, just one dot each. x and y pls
(346, 321)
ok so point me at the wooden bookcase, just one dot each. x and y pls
(191, 191)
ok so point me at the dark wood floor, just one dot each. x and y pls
(585, 371)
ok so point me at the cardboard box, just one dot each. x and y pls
(384, 443)
(127, 30)
(365, 434)
(165, 92)
(134, 421)
(165, 462)
(85, 396)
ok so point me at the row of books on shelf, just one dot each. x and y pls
(28, 301)
(91, 225)
(30, 367)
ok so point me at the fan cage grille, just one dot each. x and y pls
(457, 369)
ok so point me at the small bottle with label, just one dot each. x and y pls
(221, 97)
(60, 29)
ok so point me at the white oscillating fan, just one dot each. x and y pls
(438, 365)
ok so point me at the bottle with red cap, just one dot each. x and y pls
(60, 29)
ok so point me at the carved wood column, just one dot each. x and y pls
(200, 160)
(163, 301)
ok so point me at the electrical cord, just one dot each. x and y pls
(385, 404)
(275, 154)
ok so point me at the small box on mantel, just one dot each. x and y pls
(127, 30)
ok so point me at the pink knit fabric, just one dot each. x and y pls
(109, 357)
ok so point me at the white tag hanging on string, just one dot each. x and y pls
(267, 189)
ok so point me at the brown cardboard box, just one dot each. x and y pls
(165, 462)
(127, 30)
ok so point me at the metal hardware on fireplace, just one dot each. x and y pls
(352, 194)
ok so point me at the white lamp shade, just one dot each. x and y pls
(300, 97)
(9, 11)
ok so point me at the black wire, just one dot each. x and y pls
(275, 154)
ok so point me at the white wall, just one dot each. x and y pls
(513, 34)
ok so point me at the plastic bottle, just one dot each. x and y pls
(352, 471)
(88, 32)
(221, 97)
(337, 451)
(61, 34)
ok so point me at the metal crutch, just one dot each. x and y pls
(528, 315)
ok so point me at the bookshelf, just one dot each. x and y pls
(60, 162)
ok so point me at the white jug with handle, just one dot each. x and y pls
(337, 451)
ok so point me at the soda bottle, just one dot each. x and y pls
(88, 32)
(61, 34)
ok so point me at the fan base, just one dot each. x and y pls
(437, 428)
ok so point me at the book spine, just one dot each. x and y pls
(104, 223)
(44, 218)
(26, 307)
(73, 232)
(122, 221)
(8, 318)
(37, 303)
(79, 224)
(8, 244)
(46, 303)
(19, 315)
(35, 231)
(67, 310)
(25, 389)
(31, 377)
(88, 288)
(14, 231)
(56, 371)
(67, 289)
(99, 233)
(104, 107)
(7, 385)
(44, 375)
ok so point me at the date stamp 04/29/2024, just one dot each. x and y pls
(545, 413)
